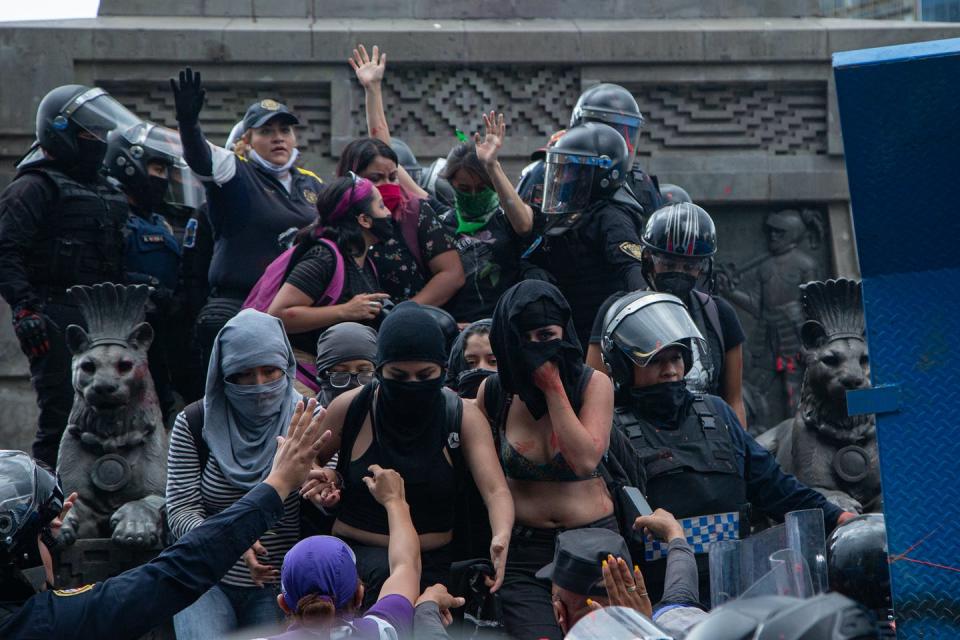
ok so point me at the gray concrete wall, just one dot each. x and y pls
(741, 112)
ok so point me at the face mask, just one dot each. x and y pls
(405, 399)
(675, 282)
(474, 210)
(275, 169)
(382, 228)
(392, 196)
(663, 402)
(257, 403)
(90, 160)
(468, 382)
(535, 354)
(156, 191)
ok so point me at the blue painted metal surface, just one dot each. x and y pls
(884, 398)
(900, 118)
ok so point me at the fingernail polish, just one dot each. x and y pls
(589, 602)
(604, 564)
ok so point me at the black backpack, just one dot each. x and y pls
(193, 412)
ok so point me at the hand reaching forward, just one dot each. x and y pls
(296, 452)
(369, 69)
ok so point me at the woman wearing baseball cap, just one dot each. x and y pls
(252, 199)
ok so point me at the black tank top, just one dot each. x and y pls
(431, 500)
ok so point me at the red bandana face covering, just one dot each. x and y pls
(392, 196)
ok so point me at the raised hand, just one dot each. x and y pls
(188, 96)
(297, 451)
(494, 132)
(386, 485)
(369, 69)
(624, 589)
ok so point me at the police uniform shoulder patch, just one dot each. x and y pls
(270, 105)
(632, 249)
(310, 196)
(73, 592)
(307, 172)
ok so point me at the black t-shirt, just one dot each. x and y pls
(707, 380)
(312, 274)
(400, 276)
(491, 264)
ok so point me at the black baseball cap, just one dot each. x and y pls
(577, 560)
(260, 112)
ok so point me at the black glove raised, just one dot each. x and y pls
(31, 329)
(188, 95)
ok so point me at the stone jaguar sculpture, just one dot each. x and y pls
(114, 450)
(826, 449)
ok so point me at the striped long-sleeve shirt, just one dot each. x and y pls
(194, 494)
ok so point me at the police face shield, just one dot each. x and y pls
(616, 623)
(627, 126)
(96, 113)
(786, 560)
(567, 189)
(648, 325)
(155, 143)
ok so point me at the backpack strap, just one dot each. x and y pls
(352, 422)
(335, 287)
(628, 423)
(707, 417)
(454, 418)
(712, 312)
(193, 413)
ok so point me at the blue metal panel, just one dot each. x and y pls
(900, 116)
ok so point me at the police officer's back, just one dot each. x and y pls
(61, 224)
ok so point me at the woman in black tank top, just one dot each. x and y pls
(405, 420)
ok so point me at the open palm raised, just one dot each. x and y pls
(369, 68)
(489, 145)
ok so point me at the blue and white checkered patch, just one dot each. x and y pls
(700, 532)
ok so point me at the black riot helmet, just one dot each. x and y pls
(828, 615)
(30, 498)
(683, 229)
(640, 325)
(673, 194)
(406, 158)
(857, 561)
(446, 322)
(530, 186)
(612, 105)
(130, 152)
(71, 109)
(589, 163)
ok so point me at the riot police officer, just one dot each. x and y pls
(61, 224)
(146, 162)
(613, 105)
(591, 223)
(679, 242)
(700, 463)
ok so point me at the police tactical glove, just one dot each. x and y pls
(31, 329)
(188, 95)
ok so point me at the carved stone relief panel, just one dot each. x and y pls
(764, 254)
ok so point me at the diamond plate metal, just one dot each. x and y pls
(899, 117)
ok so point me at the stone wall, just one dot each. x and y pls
(740, 105)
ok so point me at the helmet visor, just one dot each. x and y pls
(17, 480)
(626, 125)
(163, 144)
(568, 183)
(647, 326)
(97, 113)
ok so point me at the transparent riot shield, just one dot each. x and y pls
(787, 560)
(615, 623)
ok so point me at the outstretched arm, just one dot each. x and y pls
(518, 212)
(369, 70)
(403, 549)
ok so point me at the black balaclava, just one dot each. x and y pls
(460, 377)
(528, 305)
(676, 283)
(408, 415)
(90, 155)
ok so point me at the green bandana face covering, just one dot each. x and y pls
(474, 210)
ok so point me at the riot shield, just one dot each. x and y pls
(615, 623)
(786, 560)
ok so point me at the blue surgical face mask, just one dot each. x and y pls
(276, 169)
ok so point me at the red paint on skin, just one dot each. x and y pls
(523, 447)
